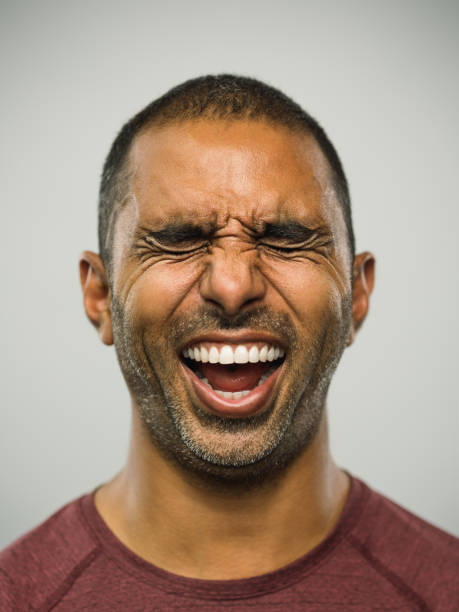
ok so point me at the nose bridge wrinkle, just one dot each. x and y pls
(232, 279)
(234, 256)
(233, 243)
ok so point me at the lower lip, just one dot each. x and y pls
(253, 403)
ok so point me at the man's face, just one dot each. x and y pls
(232, 248)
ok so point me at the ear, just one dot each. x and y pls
(363, 275)
(96, 294)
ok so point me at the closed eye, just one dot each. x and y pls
(283, 249)
(154, 247)
(319, 246)
(184, 250)
(176, 239)
(294, 239)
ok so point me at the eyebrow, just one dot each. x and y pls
(290, 230)
(177, 233)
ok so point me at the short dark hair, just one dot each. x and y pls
(224, 97)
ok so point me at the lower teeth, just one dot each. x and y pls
(233, 394)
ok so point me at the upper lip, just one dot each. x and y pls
(236, 337)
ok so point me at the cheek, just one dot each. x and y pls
(309, 292)
(158, 293)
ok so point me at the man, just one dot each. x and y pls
(228, 282)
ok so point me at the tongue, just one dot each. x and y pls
(234, 377)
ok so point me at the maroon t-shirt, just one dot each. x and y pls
(378, 557)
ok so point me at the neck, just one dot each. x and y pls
(193, 529)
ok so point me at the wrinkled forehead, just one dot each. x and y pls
(210, 171)
(230, 179)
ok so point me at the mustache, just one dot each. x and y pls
(206, 319)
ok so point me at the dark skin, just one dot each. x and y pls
(231, 216)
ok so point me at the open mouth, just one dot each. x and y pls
(233, 379)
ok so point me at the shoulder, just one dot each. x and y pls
(421, 560)
(41, 562)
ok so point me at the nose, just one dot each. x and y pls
(232, 280)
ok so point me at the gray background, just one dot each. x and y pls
(380, 76)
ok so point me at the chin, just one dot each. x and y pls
(246, 453)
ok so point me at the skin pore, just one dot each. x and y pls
(232, 233)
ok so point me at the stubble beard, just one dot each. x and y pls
(232, 451)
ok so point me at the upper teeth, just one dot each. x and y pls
(227, 354)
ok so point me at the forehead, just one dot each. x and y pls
(210, 171)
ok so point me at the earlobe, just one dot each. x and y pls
(363, 283)
(96, 294)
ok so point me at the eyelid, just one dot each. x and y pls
(285, 248)
(152, 242)
(316, 242)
